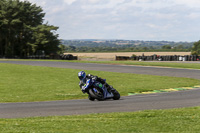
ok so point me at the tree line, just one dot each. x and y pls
(164, 48)
(126, 46)
(112, 46)
(196, 48)
(23, 32)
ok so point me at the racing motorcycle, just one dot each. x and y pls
(97, 90)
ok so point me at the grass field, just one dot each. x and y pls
(21, 83)
(185, 65)
(111, 55)
(186, 120)
(158, 64)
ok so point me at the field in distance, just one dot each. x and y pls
(111, 56)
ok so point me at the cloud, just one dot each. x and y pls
(69, 2)
(38, 2)
(188, 3)
(124, 19)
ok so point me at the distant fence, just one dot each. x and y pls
(68, 57)
(55, 56)
(123, 58)
(52, 56)
(161, 58)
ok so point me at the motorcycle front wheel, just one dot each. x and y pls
(116, 95)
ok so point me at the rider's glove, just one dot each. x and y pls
(83, 89)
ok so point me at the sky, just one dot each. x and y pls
(149, 20)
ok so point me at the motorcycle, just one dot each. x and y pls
(97, 90)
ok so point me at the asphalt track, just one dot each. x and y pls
(188, 98)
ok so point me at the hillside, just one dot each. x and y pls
(122, 43)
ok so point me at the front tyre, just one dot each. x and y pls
(116, 95)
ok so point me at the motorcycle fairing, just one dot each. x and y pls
(91, 82)
(106, 94)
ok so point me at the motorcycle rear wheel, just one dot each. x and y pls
(91, 98)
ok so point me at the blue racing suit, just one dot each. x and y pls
(89, 80)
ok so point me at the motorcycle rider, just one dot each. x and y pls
(83, 79)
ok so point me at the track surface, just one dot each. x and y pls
(187, 98)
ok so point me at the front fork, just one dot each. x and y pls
(106, 93)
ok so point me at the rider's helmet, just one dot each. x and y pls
(81, 75)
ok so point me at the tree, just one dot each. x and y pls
(145, 48)
(43, 39)
(62, 49)
(22, 31)
(166, 47)
(196, 48)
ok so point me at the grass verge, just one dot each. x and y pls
(174, 120)
(21, 83)
(143, 63)
(137, 63)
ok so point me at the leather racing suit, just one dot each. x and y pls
(83, 86)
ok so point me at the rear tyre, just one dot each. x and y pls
(91, 98)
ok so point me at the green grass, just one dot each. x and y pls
(21, 83)
(185, 120)
(160, 64)
(138, 63)
(143, 63)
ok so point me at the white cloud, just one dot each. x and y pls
(38, 2)
(69, 2)
(125, 19)
(189, 3)
(94, 1)
(193, 16)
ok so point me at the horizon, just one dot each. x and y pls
(129, 40)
